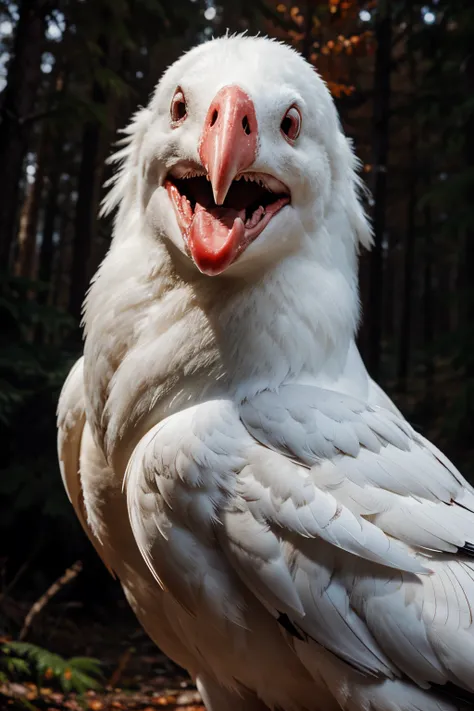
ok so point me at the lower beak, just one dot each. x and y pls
(228, 146)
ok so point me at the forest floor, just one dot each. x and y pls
(137, 676)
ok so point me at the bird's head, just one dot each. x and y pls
(239, 160)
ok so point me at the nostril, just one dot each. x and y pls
(246, 125)
(214, 116)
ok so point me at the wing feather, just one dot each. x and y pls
(71, 422)
(334, 515)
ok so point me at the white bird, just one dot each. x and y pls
(278, 528)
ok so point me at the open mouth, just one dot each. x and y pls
(222, 231)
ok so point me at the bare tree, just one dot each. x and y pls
(88, 189)
(19, 100)
(380, 148)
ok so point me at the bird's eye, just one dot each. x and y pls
(291, 124)
(178, 107)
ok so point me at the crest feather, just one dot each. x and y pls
(122, 186)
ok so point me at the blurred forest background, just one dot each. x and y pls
(71, 74)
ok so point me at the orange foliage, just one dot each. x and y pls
(334, 43)
(339, 90)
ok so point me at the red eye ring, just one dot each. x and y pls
(290, 126)
(178, 110)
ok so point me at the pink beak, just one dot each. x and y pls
(228, 143)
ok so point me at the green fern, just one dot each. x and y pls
(16, 665)
(20, 659)
(11, 666)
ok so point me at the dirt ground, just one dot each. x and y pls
(136, 674)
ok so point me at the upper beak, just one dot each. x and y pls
(228, 143)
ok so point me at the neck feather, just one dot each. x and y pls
(295, 323)
(157, 341)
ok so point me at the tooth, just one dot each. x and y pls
(186, 208)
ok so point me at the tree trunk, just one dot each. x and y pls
(26, 264)
(62, 259)
(383, 34)
(47, 250)
(88, 189)
(409, 252)
(19, 98)
(428, 310)
(407, 295)
(46, 256)
(469, 237)
(390, 285)
(55, 142)
(308, 29)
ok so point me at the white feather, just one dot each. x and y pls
(278, 528)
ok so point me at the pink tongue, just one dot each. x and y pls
(214, 237)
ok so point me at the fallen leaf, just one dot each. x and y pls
(163, 700)
(18, 689)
